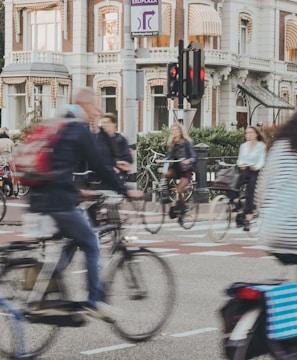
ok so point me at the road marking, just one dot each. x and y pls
(217, 253)
(194, 332)
(199, 236)
(16, 204)
(259, 247)
(204, 244)
(107, 348)
(6, 232)
(159, 250)
(124, 346)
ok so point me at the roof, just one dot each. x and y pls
(35, 69)
(266, 97)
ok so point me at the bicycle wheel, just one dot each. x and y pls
(153, 211)
(189, 217)
(255, 346)
(142, 180)
(141, 287)
(12, 344)
(23, 189)
(219, 218)
(130, 217)
(16, 283)
(2, 205)
(188, 191)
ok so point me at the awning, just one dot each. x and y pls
(204, 20)
(166, 19)
(291, 34)
(265, 97)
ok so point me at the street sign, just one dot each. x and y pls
(146, 18)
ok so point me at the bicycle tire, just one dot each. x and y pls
(141, 287)
(142, 180)
(219, 220)
(3, 206)
(190, 215)
(153, 211)
(188, 190)
(16, 286)
(254, 347)
(23, 189)
(130, 211)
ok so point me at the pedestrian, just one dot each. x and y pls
(276, 192)
(180, 147)
(118, 146)
(6, 152)
(59, 197)
(250, 161)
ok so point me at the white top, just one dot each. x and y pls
(276, 198)
(252, 156)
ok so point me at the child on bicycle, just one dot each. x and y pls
(180, 147)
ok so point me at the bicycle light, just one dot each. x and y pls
(247, 293)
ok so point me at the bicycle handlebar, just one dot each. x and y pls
(163, 161)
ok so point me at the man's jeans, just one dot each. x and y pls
(75, 226)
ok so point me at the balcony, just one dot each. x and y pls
(27, 57)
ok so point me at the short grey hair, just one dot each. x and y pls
(83, 95)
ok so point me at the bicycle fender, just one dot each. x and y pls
(245, 324)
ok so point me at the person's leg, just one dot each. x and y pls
(184, 181)
(249, 201)
(75, 226)
(13, 179)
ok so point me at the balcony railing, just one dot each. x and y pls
(27, 57)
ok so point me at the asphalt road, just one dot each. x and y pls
(202, 271)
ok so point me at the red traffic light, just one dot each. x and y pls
(191, 73)
(173, 72)
(202, 74)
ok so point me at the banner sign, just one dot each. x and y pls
(146, 18)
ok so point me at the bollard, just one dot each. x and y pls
(201, 192)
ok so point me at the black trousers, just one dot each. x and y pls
(248, 177)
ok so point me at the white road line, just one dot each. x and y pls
(107, 348)
(259, 247)
(196, 236)
(217, 253)
(124, 346)
(6, 232)
(194, 332)
(158, 250)
(204, 244)
(16, 204)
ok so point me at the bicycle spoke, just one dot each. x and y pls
(189, 216)
(153, 211)
(142, 289)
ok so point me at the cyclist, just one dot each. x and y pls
(180, 146)
(250, 160)
(276, 192)
(6, 151)
(59, 197)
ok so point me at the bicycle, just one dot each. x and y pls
(259, 318)
(136, 280)
(163, 193)
(3, 206)
(150, 175)
(223, 211)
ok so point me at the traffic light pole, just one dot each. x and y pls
(180, 113)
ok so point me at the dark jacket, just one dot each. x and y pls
(183, 150)
(75, 146)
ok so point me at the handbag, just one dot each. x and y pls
(227, 178)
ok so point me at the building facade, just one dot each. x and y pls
(55, 46)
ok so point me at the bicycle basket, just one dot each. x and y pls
(227, 178)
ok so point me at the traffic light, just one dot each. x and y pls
(172, 80)
(194, 73)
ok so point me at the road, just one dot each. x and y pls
(202, 270)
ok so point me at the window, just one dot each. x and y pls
(108, 100)
(110, 32)
(243, 37)
(17, 105)
(45, 30)
(62, 97)
(160, 111)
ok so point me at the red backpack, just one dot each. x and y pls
(33, 156)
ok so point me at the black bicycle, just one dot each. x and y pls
(139, 283)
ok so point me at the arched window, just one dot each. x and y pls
(107, 29)
(245, 32)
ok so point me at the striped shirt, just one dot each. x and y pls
(276, 198)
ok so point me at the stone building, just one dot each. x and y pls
(54, 46)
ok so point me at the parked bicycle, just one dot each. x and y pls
(164, 193)
(259, 321)
(139, 283)
(2, 205)
(223, 211)
(149, 176)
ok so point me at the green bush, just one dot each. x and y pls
(221, 142)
